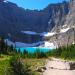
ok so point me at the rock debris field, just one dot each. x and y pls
(59, 67)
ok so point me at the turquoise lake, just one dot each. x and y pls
(33, 49)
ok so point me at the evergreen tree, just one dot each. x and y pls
(25, 52)
(2, 45)
(11, 48)
(6, 47)
(19, 51)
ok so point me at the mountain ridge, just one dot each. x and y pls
(14, 19)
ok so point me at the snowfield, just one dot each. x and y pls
(64, 25)
(64, 30)
(29, 32)
(41, 34)
(20, 44)
(37, 44)
(49, 45)
(44, 34)
(49, 34)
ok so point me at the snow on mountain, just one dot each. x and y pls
(53, 33)
(49, 34)
(9, 42)
(64, 25)
(37, 44)
(5, 1)
(29, 32)
(20, 44)
(64, 30)
(41, 34)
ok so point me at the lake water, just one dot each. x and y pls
(33, 49)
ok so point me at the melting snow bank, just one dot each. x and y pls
(20, 44)
(50, 45)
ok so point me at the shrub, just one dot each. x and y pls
(17, 68)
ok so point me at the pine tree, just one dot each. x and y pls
(6, 47)
(25, 52)
(19, 51)
(2, 45)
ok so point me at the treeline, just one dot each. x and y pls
(10, 50)
(15, 64)
(4, 48)
(37, 54)
(65, 52)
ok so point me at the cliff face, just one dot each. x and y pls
(65, 34)
(58, 15)
(70, 20)
(14, 19)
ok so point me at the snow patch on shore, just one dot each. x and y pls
(50, 45)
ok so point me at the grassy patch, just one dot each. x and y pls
(34, 64)
(4, 64)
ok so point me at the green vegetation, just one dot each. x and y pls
(11, 62)
(14, 65)
(18, 67)
(37, 54)
(14, 62)
(65, 52)
(4, 64)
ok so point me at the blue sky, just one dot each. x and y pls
(34, 4)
